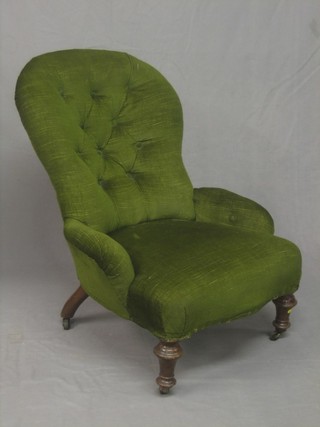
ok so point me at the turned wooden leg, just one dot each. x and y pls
(72, 305)
(284, 307)
(168, 353)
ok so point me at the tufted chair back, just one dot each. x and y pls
(108, 129)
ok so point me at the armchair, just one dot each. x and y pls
(146, 245)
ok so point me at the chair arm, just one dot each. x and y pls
(218, 206)
(110, 256)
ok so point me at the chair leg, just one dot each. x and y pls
(71, 306)
(284, 307)
(168, 353)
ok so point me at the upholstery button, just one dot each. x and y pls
(131, 175)
(93, 95)
(65, 96)
(99, 151)
(102, 183)
(232, 218)
(139, 145)
(114, 121)
(84, 126)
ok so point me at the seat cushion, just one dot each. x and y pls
(189, 275)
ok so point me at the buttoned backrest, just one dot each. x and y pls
(108, 129)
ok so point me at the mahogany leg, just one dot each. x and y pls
(284, 307)
(168, 353)
(72, 305)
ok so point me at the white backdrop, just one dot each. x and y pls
(248, 75)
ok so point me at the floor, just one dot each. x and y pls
(101, 372)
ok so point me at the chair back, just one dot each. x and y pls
(108, 129)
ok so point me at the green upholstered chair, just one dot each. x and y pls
(147, 245)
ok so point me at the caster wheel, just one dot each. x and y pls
(66, 323)
(164, 390)
(275, 336)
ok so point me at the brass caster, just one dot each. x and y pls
(275, 336)
(66, 323)
(164, 390)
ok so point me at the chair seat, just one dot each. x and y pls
(190, 275)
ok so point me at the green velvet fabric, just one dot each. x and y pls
(146, 245)
(97, 255)
(108, 129)
(219, 206)
(189, 274)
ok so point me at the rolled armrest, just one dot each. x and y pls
(110, 256)
(218, 206)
